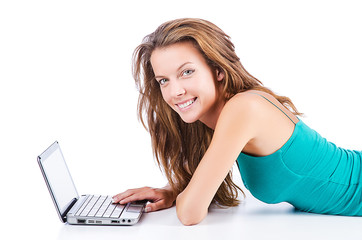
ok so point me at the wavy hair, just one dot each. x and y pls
(178, 146)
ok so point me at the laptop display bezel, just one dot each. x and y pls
(62, 213)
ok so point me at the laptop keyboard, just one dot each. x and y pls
(100, 206)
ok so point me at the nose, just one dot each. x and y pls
(178, 89)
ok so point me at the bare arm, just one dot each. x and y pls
(236, 126)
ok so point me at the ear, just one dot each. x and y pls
(219, 74)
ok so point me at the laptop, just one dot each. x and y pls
(85, 209)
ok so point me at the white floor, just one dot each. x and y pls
(251, 220)
(242, 223)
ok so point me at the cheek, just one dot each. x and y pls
(166, 96)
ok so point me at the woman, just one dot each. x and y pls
(204, 111)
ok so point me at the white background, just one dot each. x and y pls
(65, 74)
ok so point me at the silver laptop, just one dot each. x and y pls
(85, 209)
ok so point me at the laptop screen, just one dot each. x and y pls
(57, 175)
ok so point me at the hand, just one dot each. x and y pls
(160, 198)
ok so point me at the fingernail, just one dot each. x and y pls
(147, 209)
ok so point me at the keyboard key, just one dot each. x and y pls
(96, 207)
(118, 211)
(84, 205)
(89, 206)
(110, 210)
(104, 207)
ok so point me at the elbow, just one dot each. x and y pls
(189, 215)
(189, 219)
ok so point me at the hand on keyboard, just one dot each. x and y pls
(160, 198)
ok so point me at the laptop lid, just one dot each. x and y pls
(58, 179)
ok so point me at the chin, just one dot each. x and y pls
(188, 119)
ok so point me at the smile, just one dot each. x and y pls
(186, 104)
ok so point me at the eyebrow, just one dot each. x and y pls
(178, 69)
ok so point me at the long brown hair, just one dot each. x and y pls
(178, 146)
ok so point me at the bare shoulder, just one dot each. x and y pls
(256, 111)
(252, 98)
(246, 104)
(241, 115)
(259, 104)
(262, 117)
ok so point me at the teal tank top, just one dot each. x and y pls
(309, 172)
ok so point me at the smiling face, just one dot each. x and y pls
(187, 82)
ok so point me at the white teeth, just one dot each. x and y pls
(188, 103)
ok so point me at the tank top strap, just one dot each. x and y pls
(274, 105)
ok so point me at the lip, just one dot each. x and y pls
(182, 105)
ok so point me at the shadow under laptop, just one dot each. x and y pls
(68, 231)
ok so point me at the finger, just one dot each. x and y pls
(132, 198)
(119, 197)
(136, 195)
(148, 194)
(155, 206)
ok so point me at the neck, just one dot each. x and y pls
(212, 118)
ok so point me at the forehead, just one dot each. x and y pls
(170, 58)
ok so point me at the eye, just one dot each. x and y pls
(187, 72)
(162, 81)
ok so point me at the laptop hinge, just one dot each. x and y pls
(64, 215)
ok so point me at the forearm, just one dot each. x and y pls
(188, 211)
(185, 211)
